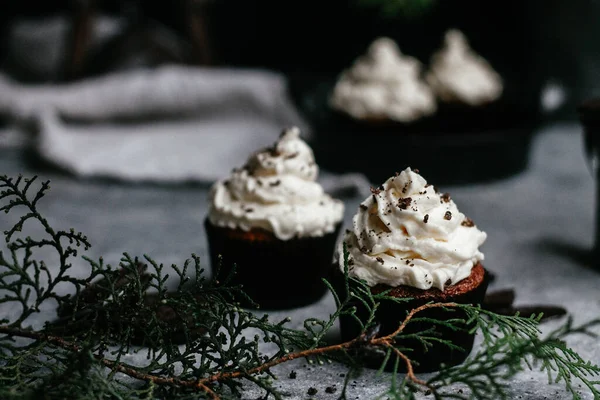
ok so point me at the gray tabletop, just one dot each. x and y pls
(540, 230)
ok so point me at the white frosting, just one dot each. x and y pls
(384, 84)
(457, 73)
(407, 234)
(276, 190)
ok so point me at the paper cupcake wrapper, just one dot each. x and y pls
(391, 314)
(276, 274)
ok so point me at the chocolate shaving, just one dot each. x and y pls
(448, 215)
(275, 183)
(426, 218)
(445, 197)
(375, 191)
(404, 202)
(468, 222)
(379, 260)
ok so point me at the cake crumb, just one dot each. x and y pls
(448, 215)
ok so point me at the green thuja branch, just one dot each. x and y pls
(195, 343)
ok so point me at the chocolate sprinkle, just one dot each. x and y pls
(448, 215)
(468, 222)
(426, 218)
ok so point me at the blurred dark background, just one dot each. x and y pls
(532, 43)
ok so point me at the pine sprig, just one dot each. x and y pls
(197, 344)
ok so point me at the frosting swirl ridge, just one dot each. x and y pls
(276, 190)
(408, 234)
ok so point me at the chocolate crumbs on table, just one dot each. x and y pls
(312, 391)
(448, 215)
(426, 218)
(330, 389)
(468, 222)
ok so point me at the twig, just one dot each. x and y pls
(202, 384)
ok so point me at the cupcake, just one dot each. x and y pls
(274, 222)
(459, 75)
(383, 86)
(413, 241)
(384, 113)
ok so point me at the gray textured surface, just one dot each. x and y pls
(539, 225)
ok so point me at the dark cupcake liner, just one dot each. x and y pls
(459, 144)
(276, 274)
(390, 314)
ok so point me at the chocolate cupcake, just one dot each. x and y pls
(273, 221)
(459, 112)
(411, 240)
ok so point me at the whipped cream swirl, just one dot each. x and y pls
(277, 191)
(384, 84)
(457, 73)
(408, 234)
